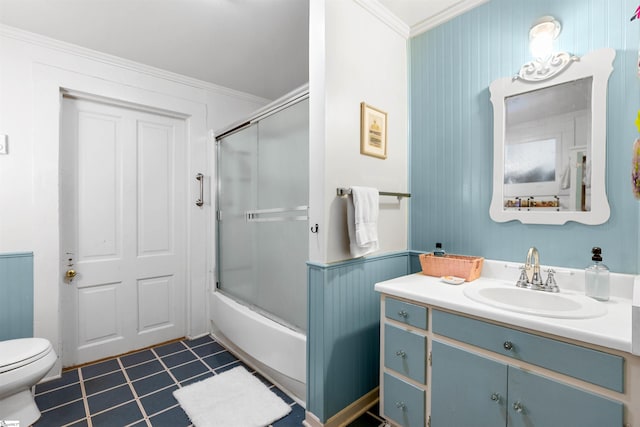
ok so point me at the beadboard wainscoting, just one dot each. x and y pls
(16, 295)
(344, 320)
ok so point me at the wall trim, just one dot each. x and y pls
(348, 414)
(361, 260)
(385, 16)
(105, 58)
(449, 13)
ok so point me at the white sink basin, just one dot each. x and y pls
(537, 303)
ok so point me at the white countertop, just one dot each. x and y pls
(613, 330)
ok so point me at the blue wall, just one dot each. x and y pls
(452, 131)
(16, 295)
(343, 342)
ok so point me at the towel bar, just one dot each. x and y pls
(346, 191)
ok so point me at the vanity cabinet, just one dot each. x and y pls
(472, 390)
(442, 369)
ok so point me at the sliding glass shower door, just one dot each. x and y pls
(263, 176)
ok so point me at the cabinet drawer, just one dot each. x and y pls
(403, 403)
(411, 314)
(586, 364)
(404, 352)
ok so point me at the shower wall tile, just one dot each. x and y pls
(344, 321)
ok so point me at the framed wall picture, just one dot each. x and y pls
(373, 131)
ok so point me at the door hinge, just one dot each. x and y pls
(430, 359)
(429, 421)
(218, 215)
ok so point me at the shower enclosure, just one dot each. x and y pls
(262, 233)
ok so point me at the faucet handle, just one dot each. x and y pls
(522, 281)
(551, 285)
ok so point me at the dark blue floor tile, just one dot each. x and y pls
(173, 347)
(137, 358)
(149, 368)
(208, 349)
(235, 365)
(120, 416)
(189, 370)
(107, 399)
(202, 377)
(174, 417)
(282, 395)
(98, 384)
(91, 371)
(59, 397)
(81, 423)
(219, 359)
(294, 418)
(178, 358)
(366, 420)
(62, 415)
(198, 341)
(68, 377)
(161, 400)
(154, 382)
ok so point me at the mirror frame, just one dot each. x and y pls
(597, 64)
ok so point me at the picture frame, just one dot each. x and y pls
(373, 131)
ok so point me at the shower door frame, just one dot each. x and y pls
(289, 100)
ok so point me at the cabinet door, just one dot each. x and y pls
(538, 401)
(467, 389)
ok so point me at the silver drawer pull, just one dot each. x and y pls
(401, 354)
(403, 313)
(495, 397)
(508, 345)
(401, 406)
(517, 406)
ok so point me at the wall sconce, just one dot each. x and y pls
(546, 63)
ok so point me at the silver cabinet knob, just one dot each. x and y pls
(495, 397)
(403, 313)
(401, 406)
(401, 354)
(508, 345)
(517, 406)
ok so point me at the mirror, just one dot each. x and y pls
(550, 145)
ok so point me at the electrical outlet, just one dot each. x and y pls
(3, 144)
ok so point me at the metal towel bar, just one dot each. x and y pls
(346, 191)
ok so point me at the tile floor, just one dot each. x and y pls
(136, 389)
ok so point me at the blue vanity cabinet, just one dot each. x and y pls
(403, 394)
(466, 389)
(491, 388)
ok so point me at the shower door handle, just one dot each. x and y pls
(200, 179)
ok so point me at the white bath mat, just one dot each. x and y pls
(234, 398)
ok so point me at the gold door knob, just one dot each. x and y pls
(70, 274)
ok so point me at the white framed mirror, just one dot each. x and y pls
(550, 145)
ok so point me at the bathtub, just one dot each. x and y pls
(277, 352)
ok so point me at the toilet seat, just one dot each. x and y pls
(22, 351)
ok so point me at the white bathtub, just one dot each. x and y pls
(278, 352)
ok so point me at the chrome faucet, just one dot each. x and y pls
(530, 277)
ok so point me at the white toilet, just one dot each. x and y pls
(23, 362)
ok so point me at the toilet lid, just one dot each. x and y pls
(22, 351)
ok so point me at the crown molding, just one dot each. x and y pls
(449, 13)
(383, 14)
(94, 55)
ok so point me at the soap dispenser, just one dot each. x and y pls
(597, 277)
(438, 251)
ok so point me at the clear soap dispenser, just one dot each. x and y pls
(597, 277)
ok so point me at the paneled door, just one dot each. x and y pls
(123, 204)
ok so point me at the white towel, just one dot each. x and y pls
(362, 220)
